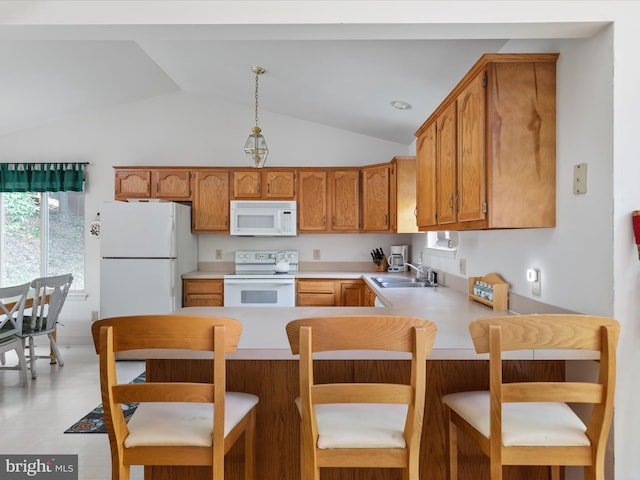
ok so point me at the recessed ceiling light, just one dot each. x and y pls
(400, 105)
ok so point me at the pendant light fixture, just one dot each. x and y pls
(256, 147)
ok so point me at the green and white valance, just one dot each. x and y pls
(42, 177)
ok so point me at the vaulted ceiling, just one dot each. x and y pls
(347, 83)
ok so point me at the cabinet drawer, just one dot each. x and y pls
(203, 286)
(315, 286)
(315, 299)
(204, 300)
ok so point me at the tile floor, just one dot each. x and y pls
(33, 418)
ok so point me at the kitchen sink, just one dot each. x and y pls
(401, 282)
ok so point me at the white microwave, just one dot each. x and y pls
(269, 218)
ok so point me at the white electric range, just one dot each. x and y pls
(255, 282)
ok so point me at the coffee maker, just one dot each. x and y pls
(398, 258)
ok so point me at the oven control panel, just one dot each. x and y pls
(268, 257)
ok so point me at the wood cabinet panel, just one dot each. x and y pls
(246, 184)
(369, 296)
(447, 186)
(315, 293)
(351, 293)
(375, 198)
(426, 177)
(312, 201)
(171, 184)
(471, 199)
(271, 184)
(281, 184)
(203, 293)
(403, 195)
(210, 212)
(132, 184)
(345, 200)
(278, 420)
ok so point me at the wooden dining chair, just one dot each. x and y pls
(175, 423)
(361, 424)
(49, 296)
(531, 423)
(12, 301)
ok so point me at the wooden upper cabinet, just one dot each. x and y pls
(447, 184)
(375, 198)
(344, 201)
(280, 184)
(246, 184)
(210, 207)
(495, 143)
(132, 184)
(312, 201)
(164, 183)
(471, 195)
(271, 184)
(171, 184)
(426, 177)
(403, 195)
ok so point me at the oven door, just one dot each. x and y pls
(259, 292)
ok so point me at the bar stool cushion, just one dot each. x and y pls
(360, 425)
(523, 424)
(185, 424)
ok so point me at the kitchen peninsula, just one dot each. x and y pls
(264, 366)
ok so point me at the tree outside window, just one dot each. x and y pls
(41, 234)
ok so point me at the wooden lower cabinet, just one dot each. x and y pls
(203, 292)
(315, 292)
(311, 292)
(369, 296)
(275, 382)
(351, 293)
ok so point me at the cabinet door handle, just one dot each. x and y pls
(415, 212)
(451, 202)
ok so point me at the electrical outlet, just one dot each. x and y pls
(536, 287)
(463, 266)
(218, 254)
(94, 315)
(316, 254)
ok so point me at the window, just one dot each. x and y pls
(442, 244)
(41, 234)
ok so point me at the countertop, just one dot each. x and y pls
(264, 336)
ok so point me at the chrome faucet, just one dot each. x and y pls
(425, 274)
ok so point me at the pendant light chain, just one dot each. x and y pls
(257, 75)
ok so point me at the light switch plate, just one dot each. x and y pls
(580, 178)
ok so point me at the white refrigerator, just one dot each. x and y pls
(145, 248)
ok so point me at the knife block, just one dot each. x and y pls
(383, 265)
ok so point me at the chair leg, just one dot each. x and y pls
(452, 446)
(250, 446)
(56, 350)
(52, 353)
(555, 472)
(31, 363)
(22, 364)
